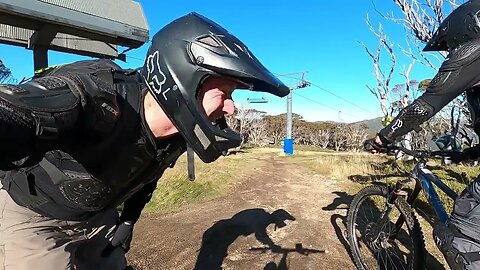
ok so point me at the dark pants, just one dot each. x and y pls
(459, 240)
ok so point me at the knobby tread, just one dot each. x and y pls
(406, 211)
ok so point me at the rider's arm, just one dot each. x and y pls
(459, 72)
(41, 114)
(133, 207)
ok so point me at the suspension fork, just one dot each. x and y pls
(392, 197)
(377, 229)
(410, 200)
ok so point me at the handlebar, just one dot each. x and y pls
(425, 153)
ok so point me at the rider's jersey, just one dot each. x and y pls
(458, 73)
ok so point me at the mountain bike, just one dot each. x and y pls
(382, 230)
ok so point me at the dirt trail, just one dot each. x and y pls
(232, 232)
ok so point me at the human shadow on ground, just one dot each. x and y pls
(223, 233)
(283, 263)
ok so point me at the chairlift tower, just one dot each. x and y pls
(340, 118)
(302, 83)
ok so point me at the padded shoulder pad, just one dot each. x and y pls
(462, 56)
(100, 101)
(83, 67)
(45, 94)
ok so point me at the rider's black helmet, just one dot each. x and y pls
(182, 55)
(461, 26)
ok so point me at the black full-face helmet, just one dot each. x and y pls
(185, 53)
(461, 26)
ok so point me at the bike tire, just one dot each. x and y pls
(412, 224)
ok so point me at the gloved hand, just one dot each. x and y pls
(121, 238)
(372, 145)
(467, 154)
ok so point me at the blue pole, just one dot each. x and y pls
(288, 146)
(288, 142)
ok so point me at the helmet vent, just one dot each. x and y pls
(239, 47)
(209, 40)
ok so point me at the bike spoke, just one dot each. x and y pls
(376, 246)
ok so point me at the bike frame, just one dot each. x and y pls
(426, 180)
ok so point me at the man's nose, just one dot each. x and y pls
(228, 107)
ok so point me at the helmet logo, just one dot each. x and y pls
(156, 78)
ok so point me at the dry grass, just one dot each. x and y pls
(352, 170)
(212, 180)
(337, 165)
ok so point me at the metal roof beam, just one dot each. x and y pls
(32, 13)
(43, 36)
(39, 42)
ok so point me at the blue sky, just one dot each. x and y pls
(321, 37)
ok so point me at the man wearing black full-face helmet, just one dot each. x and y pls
(459, 34)
(179, 61)
(86, 137)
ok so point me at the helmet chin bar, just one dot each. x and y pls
(221, 124)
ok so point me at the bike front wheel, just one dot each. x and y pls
(381, 235)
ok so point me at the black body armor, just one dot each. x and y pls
(99, 154)
(473, 101)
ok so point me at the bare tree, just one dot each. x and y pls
(320, 138)
(355, 136)
(339, 137)
(421, 19)
(410, 85)
(5, 73)
(252, 126)
(246, 118)
(257, 133)
(233, 122)
(404, 93)
(324, 136)
(276, 127)
(382, 87)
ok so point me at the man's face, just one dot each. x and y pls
(216, 97)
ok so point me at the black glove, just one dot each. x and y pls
(121, 238)
(371, 145)
(467, 154)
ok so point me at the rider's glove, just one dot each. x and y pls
(122, 237)
(471, 153)
(371, 145)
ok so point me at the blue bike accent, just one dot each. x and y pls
(427, 180)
